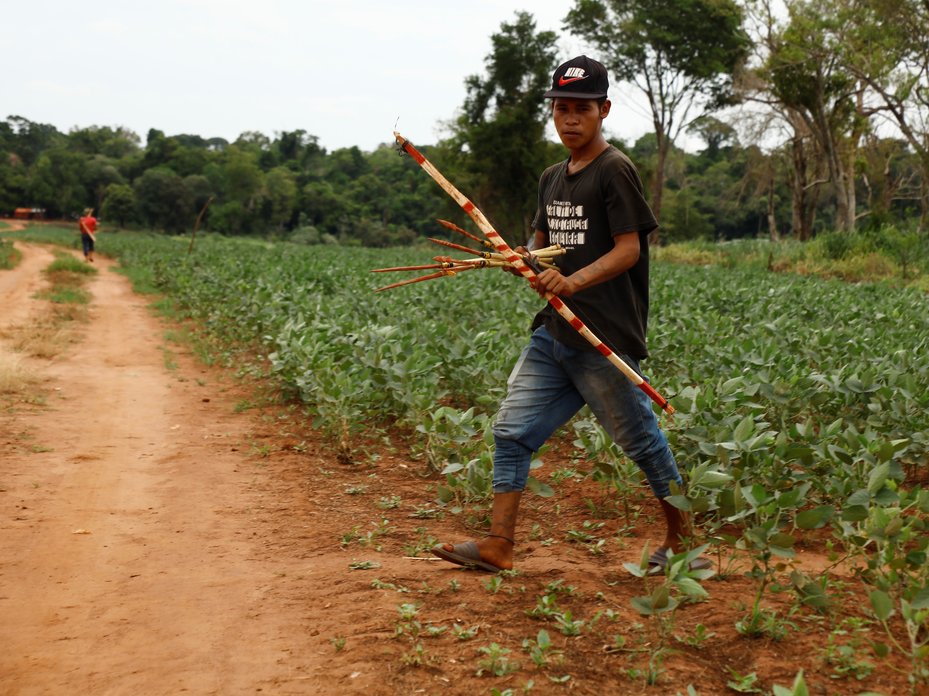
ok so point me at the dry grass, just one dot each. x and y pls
(15, 377)
(47, 339)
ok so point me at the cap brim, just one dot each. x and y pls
(564, 94)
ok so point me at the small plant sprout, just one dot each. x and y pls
(496, 661)
(390, 503)
(546, 607)
(567, 624)
(798, 688)
(423, 543)
(744, 683)
(541, 649)
(698, 637)
(379, 584)
(364, 565)
(462, 633)
(494, 584)
(338, 643)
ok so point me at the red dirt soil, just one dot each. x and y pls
(157, 537)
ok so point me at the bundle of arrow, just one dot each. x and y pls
(447, 266)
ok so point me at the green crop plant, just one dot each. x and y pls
(769, 548)
(541, 649)
(496, 661)
(409, 625)
(610, 467)
(661, 601)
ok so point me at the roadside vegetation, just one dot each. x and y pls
(9, 255)
(886, 256)
(68, 299)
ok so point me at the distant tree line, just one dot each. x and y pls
(813, 114)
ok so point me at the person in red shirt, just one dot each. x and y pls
(88, 225)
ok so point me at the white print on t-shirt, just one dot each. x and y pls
(566, 223)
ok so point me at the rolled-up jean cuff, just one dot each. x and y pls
(511, 466)
(661, 484)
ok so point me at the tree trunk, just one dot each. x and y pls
(773, 234)
(658, 185)
(802, 201)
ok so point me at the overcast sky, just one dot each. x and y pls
(345, 71)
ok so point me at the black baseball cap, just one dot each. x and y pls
(579, 78)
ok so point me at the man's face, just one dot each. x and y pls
(577, 121)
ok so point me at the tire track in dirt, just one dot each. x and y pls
(131, 555)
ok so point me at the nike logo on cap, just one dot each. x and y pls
(562, 81)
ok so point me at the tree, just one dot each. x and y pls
(31, 139)
(57, 182)
(97, 140)
(241, 177)
(99, 173)
(12, 182)
(280, 192)
(805, 74)
(884, 46)
(159, 149)
(499, 136)
(680, 54)
(163, 201)
(119, 204)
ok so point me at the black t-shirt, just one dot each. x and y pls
(583, 212)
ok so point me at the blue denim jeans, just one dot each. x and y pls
(549, 384)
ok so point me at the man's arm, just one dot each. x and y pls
(622, 257)
(536, 241)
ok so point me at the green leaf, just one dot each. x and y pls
(643, 605)
(542, 490)
(859, 497)
(691, 588)
(660, 597)
(921, 599)
(855, 513)
(814, 518)
(681, 502)
(783, 540)
(714, 479)
(878, 478)
(882, 604)
(744, 429)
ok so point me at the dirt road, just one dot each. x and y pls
(136, 552)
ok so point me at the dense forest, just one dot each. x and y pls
(813, 116)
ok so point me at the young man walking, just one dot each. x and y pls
(592, 204)
(88, 227)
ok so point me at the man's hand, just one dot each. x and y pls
(521, 251)
(620, 258)
(552, 281)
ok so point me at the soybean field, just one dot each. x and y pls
(802, 431)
